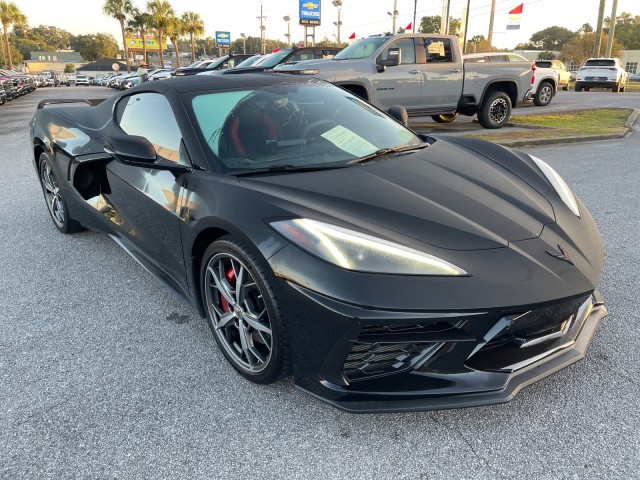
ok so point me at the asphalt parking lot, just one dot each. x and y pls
(105, 374)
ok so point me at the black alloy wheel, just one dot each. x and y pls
(495, 111)
(54, 198)
(242, 310)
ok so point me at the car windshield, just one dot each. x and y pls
(294, 125)
(249, 61)
(360, 49)
(274, 59)
(217, 62)
(195, 64)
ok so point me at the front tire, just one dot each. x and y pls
(495, 111)
(54, 198)
(544, 95)
(442, 118)
(237, 287)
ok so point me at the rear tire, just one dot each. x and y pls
(495, 111)
(442, 118)
(544, 95)
(54, 198)
(578, 88)
(616, 88)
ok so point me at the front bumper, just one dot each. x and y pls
(408, 361)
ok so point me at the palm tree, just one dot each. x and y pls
(119, 9)
(10, 14)
(195, 26)
(175, 30)
(161, 12)
(140, 22)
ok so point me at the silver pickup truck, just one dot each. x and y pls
(425, 74)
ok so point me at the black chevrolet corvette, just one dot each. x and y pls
(386, 270)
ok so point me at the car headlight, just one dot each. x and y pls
(558, 184)
(361, 252)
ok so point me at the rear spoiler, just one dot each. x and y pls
(90, 101)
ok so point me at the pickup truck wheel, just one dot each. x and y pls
(616, 88)
(495, 111)
(578, 88)
(544, 95)
(444, 118)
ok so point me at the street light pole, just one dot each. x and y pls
(287, 19)
(244, 42)
(338, 5)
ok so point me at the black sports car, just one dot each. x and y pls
(386, 270)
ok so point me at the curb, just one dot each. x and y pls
(628, 127)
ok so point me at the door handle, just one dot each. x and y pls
(413, 72)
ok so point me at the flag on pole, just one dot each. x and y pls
(352, 36)
(409, 28)
(515, 16)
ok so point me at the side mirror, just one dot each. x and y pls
(392, 60)
(131, 150)
(399, 113)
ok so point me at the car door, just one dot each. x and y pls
(442, 74)
(402, 84)
(148, 201)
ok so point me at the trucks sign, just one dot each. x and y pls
(223, 39)
(310, 12)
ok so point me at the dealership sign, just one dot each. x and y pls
(223, 39)
(310, 12)
(135, 43)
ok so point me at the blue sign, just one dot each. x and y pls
(310, 12)
(223, 39)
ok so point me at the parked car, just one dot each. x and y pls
(425, 74)
(564, 75)
(604, 73)
(544, 80)
(222, 63)
(82, 80)
(634, 77)
(388, 271)
(286, 56)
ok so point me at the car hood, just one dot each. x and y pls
(445, 195)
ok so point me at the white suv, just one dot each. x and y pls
(602, 72)
(81, 80)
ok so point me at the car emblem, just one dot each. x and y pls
(563, 255)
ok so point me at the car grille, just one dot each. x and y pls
(527, 337)
(489, 341)
(374, 360)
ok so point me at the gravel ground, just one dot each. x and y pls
(105, 374)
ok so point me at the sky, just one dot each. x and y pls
(362, 17)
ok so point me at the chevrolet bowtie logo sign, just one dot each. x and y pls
(223, 35)
(310, 5)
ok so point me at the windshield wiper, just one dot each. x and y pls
(386, 151)
(284, 168)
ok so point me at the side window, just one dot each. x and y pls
(498, 58)
(438, 50)
(407, 51)
(302, 56)
(149, 115)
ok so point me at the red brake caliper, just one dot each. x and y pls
(231, 278)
